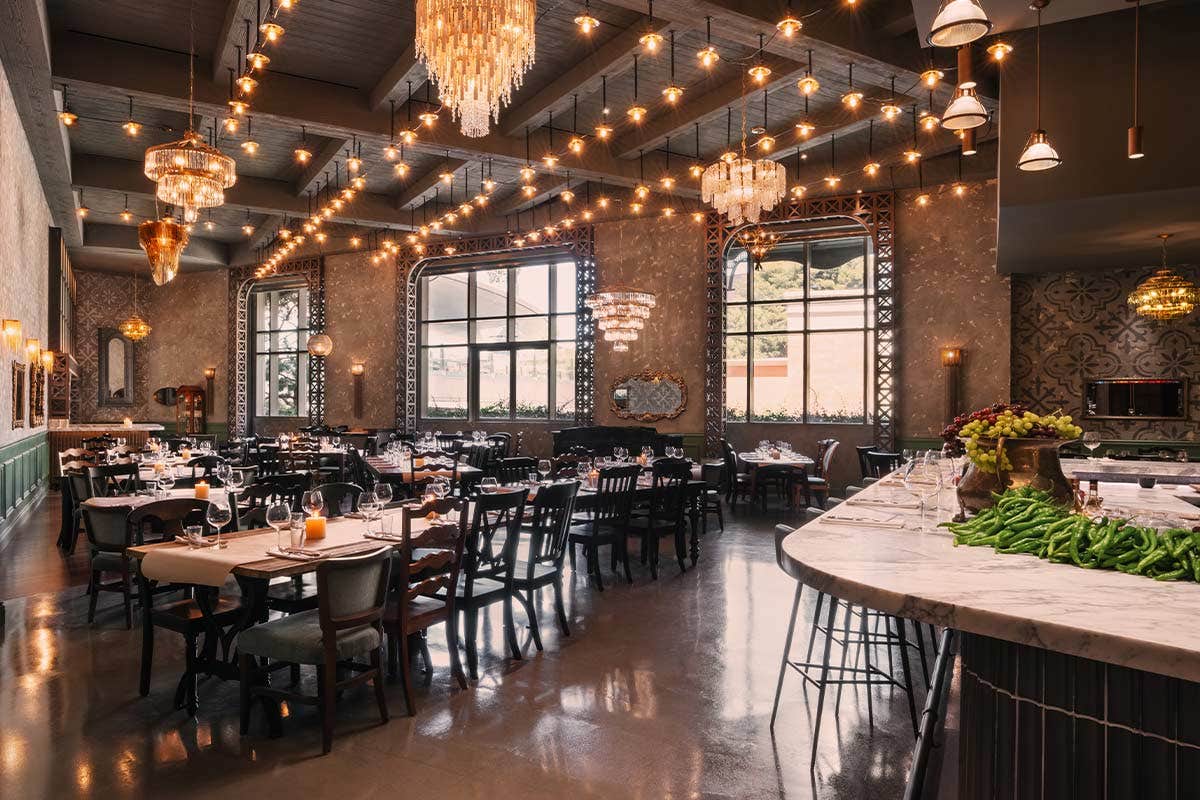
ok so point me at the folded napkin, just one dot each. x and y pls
(384, 537)
(295, 555)
(861, 522)
(877, 503)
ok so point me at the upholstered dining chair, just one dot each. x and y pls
(346, 625)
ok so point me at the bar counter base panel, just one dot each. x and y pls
(1035, 723)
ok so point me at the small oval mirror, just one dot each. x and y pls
(165, 396)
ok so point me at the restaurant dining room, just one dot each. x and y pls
(600, 399)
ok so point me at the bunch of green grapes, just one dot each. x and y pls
(1008, 421)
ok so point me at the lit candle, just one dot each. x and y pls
(185, 453)
(314, 528)
(127, 422)
(593, 477)
(159, 468)
(201, 490)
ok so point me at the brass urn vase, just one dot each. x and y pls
(1019, 462)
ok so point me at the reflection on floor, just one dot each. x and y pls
(663, 689)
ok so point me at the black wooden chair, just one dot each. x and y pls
(665, 516)
(177, 443)
(514, 470)
(775, 479)
(817, 483)
(347, 623)
(75, 488)
(108, 537)
(500, 444)
(713, 476)
(268, 460)
(204, 467)
(340, 498)
(478, 457)
(110, 480)
(540, 562)
(864, 465)
(98, 444)
(880, 464)
(737, 483)
(490, 548)
(607, 521)
(287, 488)
(427, 563)
(447, 441)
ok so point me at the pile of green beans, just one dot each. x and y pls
(1028, 521)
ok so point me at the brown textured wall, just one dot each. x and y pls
(189, 331)
(666, 257)
(1071, 327)
(949, 295)
(360, 317)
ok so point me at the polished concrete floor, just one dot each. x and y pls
(663, 689)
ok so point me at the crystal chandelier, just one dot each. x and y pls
(163, 240)
(620, 314)
(134, 328)
(1164, 295)
(189, 173)
(478, 52)
(742, 189)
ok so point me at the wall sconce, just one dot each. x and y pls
(12, 332)
(320, 345)
(357, 369)
(48, 360)
(952, 363)
(33, 347)
(210, 373)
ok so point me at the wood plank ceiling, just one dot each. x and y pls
(342, 70)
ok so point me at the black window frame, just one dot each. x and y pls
(804, 243)
(474, 348)
(303, 367)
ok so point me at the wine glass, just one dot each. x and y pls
(488, 485)
(166, 480)
(224, 471)
(543, 468)
(368, 504)
(1091, 440)
(383, 492)
(313, 502)
(219, 515)
(236, 478)
(279, 517)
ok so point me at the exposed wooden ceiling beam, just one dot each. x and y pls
(420, 187)
(208, 252)
(321, 163)
(407, 67)
(614, 56)
(519, 202)
(258, 195)
(243, 252)
(669, 121)
(231, 35)
(159, 79)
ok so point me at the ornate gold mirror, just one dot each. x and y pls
(648, 396)
(18, 394)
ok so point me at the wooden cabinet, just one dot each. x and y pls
(190, 416)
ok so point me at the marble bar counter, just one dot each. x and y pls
(1110, 469)
(1102, 650)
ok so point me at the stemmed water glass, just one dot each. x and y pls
(166, 480)
(488, 485)
(383, 492)
(219, 514)
(924, 481)
(369, 505)
(1091, 440)
(313, 502)
(279, 517)
(543, 468)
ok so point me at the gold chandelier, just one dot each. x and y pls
(758, 243)
(620, 314)
(189, 173)
(478, 52)
(742, 189)
(163, 240)
(134, 328)
(1164, 295)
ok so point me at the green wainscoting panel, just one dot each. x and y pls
(24, 471)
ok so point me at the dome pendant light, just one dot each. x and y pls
(1134, 140)
(965, 110)
(1038, 154)
(958, 22)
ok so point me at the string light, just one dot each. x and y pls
(302, 154)
(258, 61)
(708, 54)
(585, 21)
(832, 179)
(673, 91)
(999, 50)
(126, 214)
(651, 40)
(249, 146)
(789, 26)
(760, 71)
(891, 111)
(636, 112)
(603, 130)
(872, 166)
(852, 99)
(131, 126)
(808, 85)
(83, 210)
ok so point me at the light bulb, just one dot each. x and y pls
(759, 73)
(528, 190)
(1000, 51)
(446, 177)
(872, 169)
(250, 147)
(805, 128)
(603, 131)
(575, 145)
(672, 93)
(641, 191)
(248, 229)
(302, 156)
(567, 195)
(428, 118)
(550, 160)
(587, 214)
(928, 121)
(931, 76)
(408, 137)
(391, 152)
(959, 190)
(527, 173)
(127, 215)
(636, 113)
(232, 124)
(67, 117)
(636, 208)
(132, 128)
(668, 211)
(246, 84)
(832, 181)
(789, 26)
(271, 31)
(354, 164)
(83, 211)
(587, 23)
(651, 41)
(401, 169)
(697, 216)
(766, 143)
(666, 182)
(708, 56)
(798, 190)
(808, 85)
(852, 99)
(922, 200)
(602, 202)
(258, 61)
(891, 111)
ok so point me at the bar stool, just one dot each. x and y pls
(854, 630)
